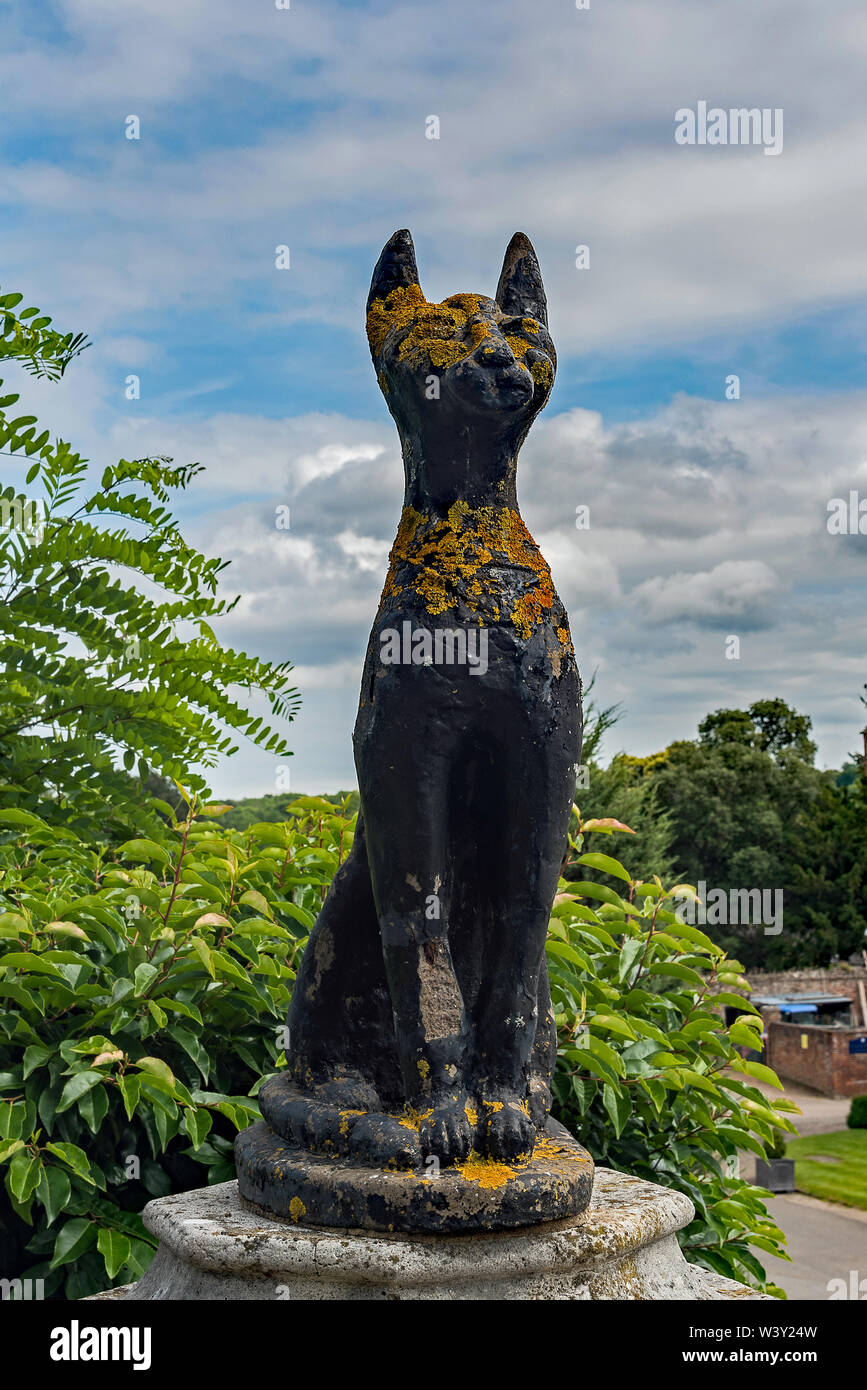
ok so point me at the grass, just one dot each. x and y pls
(842, 1181)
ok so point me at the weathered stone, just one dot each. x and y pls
(623, 1246)
(424, 986)
(480, 1194)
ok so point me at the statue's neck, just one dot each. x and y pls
(459, 469)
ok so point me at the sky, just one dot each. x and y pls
(307, 127)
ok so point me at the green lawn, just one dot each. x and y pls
(844, 1180)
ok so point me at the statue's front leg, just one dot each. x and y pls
(404, 779)
(538, 782)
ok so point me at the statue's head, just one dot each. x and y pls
(470, 362)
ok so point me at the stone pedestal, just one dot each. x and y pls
(282, 1179)
(215, 1246)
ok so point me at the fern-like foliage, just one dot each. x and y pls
(109, 664)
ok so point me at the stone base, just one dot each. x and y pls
(213, 1246)
(478, 1195)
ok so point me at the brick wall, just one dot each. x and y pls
(840, 980)
(825, 1064)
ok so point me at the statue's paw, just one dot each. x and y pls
(446, 1133)
(383, 1142)
(509, 1132)
(347, 1093)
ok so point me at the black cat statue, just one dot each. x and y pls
(421, 1035)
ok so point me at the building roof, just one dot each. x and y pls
(798, 1002)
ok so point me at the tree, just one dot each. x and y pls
(749, 811)
(826, 906)
(108, 662)
(771, 725)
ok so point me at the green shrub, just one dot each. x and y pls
(649, 1076)
(777, 1146)
(142, 1000)
(145, 990)
(857, 1117)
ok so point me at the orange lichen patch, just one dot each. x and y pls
(519, 346)
(528, 611)
(487, 1172)
(542, 373)
(450, 558)
(397, 308)
(479, 331)
(493, 1105)
(471, 1114)
(434, 334)
(345, 1116)
(412, 1119)
(297, 1209)
(434, 338)
(549, 1149)
(468, 304)
(563, 636)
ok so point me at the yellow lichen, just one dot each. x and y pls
(518, 345)
(492, 1173)
(549, 1149)
(412, 1119)
(423, 1069)
(542, 373)
(471, 1114)
(450, 559)
(434, 334)
(396, 308)
(486, 1172)
(297, 1209)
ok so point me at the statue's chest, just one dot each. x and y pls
(473, 565)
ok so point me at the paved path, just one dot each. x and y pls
(819, 1114)
(825, 1241)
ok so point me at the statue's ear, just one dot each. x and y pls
(396, 267)
(520, 289)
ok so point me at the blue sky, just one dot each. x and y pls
(306, 127)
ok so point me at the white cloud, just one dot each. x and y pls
(734, 589)
(555, 121)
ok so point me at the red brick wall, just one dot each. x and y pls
(842, 980)
(825, 1064)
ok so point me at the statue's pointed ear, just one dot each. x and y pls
(395, 268)
(520, 289)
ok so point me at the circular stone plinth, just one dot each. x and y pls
(312, 1189)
